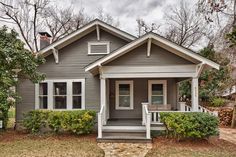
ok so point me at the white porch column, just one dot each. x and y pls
(103, 97)
(194, 94)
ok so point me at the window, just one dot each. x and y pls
(157, 92)
(77, 95)
(43, 95)
(60, 94)
(97, 48)
(124, 95)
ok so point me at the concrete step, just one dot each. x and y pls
(124, 129)
(124, 137)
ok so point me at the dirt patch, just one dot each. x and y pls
(18, 144)
(163, 147)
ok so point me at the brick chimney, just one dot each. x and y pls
(44, 39)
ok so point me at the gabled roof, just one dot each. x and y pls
(172, 47)
(85, 30)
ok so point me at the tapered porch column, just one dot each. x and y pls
(194, 94)
(103, 97)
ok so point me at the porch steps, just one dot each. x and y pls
(123, 128)
(124, 137)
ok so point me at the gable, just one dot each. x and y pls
(158, 56)
(150, 39)
(74, 57)
(96, 25)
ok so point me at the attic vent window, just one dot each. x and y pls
(98, 48)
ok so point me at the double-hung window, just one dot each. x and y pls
(157, 92)
(60, 94)
(124, 95)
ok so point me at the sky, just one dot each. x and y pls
(126, 11)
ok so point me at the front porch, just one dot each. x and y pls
(136, 78)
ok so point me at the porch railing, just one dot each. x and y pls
(101, 117)
(154, 115)
(185, 107)
(146, 119)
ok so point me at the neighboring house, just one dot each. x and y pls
(102, 68)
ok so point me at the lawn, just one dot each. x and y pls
(14, 144)
(163, 147)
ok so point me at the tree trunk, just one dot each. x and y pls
(234, 117)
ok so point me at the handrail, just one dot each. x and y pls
(100, 121)
(146, 120)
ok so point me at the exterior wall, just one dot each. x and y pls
(72, 61)
(159, 56)
(140, 95)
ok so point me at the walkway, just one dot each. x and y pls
(228, 134)
(125, 149)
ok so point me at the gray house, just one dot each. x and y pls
(127, 80)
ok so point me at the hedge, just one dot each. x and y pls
(190, 125)
(78, 122)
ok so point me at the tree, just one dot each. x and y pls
(211, 82)
(213, 9)
(14, 58)
(184, 26)
(101, 15)
(26, 15)
(144, 28)
(33, 16)
(61, 22)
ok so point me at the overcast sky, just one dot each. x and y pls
(126, 11)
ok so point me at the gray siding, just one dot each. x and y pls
(72, 61)
(159, 56)
(140, 95)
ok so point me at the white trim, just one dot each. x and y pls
(194, 94)
(189, 68)
(149, 47)
(131, 84)
(164, 83)
(55, 54)
(107, 43)
(69, 95)
(86, 28)
(142, 40)
(36, 95)
(149, 75)
(98, 32)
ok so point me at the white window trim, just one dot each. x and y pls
(107, 43)
(69, 95)
(130, 82)
(164, 83)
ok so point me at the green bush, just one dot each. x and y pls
(54, 121)
(217, 102)
(35, 120)
(78, 122)
(190, 125)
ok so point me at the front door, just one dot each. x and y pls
(157, 92)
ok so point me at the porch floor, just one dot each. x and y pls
(124, 122)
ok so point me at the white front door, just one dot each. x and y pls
(157, 92)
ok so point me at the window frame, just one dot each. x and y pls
(69, 93)
(164, 84)
(107, 43)
(131, 84)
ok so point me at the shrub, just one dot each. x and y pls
(54, 121)
(34, 120)
(79, 121)
(190, 125)
(217, 102)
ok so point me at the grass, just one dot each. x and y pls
(163, 147)
(14, 144)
